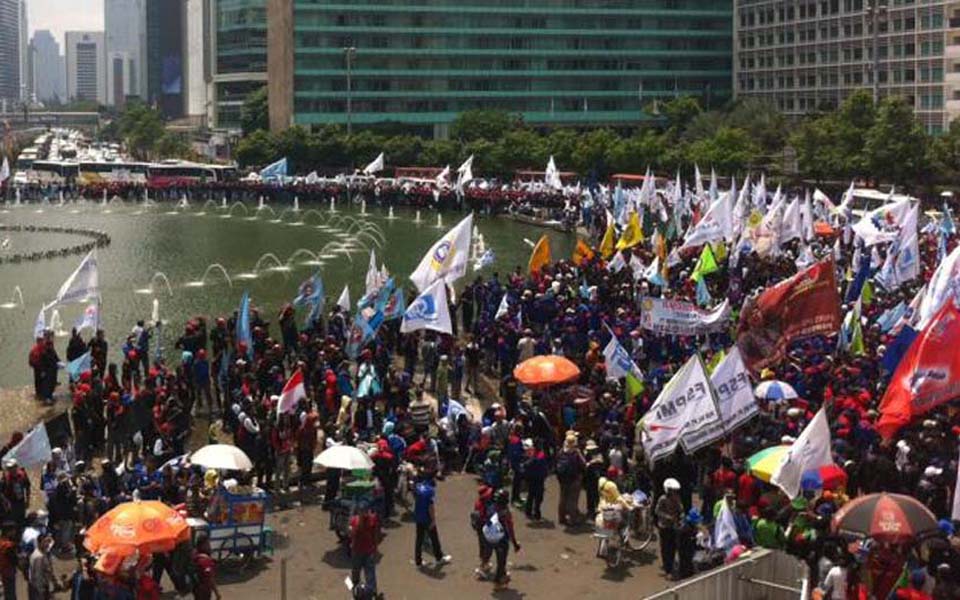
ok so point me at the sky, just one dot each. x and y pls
(64, 15)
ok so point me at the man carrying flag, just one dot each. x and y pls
(448, 257)
(621, 365)
(293, 392)
(632, 233)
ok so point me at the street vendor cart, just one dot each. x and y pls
(235, 526)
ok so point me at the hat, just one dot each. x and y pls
(10, 463)
(932, 471)
(787, 439)
(591, 445)
(388, 427)
(528, 444)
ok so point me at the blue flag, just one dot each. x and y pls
(856, 286)
(359, 334)
(244, 334)
(394, 307)
(277, 170)
(310, 291)
(81, 364)
(947, 225)
(897, 349)
(703, 294)
(891, 317)
(383, 295)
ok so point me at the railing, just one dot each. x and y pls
(764, 575)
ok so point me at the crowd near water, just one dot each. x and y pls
(676, 300)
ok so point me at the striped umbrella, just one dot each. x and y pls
(775, 391)
(764, 464)
(892, 518)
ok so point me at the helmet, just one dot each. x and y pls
(671, 484)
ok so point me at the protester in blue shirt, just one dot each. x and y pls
(424, 514)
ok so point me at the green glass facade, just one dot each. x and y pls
(241, 56)
(572, 62)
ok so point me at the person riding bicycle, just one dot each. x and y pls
(614, 507)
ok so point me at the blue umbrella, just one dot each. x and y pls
(775, 391)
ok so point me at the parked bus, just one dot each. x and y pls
(53, 171)
(184, 173)
(112, 172)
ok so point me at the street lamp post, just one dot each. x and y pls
(877, 11)
(349, 53)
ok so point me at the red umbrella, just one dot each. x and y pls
(892, 518)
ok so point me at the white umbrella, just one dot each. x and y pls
(221, 456)
(348, 458)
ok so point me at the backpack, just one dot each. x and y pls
(493, 530)
(566, 466)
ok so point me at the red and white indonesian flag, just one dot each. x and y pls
(292, 392)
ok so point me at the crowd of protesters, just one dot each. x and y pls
(402, 396)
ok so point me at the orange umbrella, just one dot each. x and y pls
(149, 526)
(823, 228)
(542, 371)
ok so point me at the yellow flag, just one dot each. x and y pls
(540, 255)
(720, 251)
(609, 239)
(632, 234)
(582, 253)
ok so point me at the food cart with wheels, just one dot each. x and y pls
(235, 527)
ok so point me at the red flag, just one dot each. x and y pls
(291, 394)
(806, 304)
(927, 376)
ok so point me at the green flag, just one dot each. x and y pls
(634, 386)
(706, 264)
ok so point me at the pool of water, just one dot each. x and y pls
(182, 244)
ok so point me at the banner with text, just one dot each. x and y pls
(682, 318)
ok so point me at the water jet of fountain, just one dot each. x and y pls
(417, 219)
(390, 214)
(296, 204)
(363, 207)
(332, 206)
(18, 196)
(260, 204)
(439, 220)
(16, 299)
(223, 203)
(210, 268)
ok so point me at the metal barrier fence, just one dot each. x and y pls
(764, 575)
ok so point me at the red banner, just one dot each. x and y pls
(927, 376)
(806, 304)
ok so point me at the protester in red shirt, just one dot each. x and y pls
(364, 538)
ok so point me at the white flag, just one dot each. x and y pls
(374, 167)
(617, 263)
(82, 284)
(312, 178)
(344, 301)
(444, 175)
(503, 309)
(33, 450)
(806, 214)
(792, 226)
(684, 407)
(4, 170)
(716, 224)
(465, 173)
(880, 225)
(40, 323)
(941, 287)
(373, 282)
(429, 311)
(735, 401)
(447, 259)
(725, 534)
(551, 177)
(618, 360)
(810, 451)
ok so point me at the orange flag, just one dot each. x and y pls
(540, 255)
(581, 253)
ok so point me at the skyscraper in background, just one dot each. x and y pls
(10, 66)
(26, 79)
(165, 69)
(86, 66)
(126, 48)
(49, 68)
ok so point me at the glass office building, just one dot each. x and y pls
(240, 65)
(558, 62)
